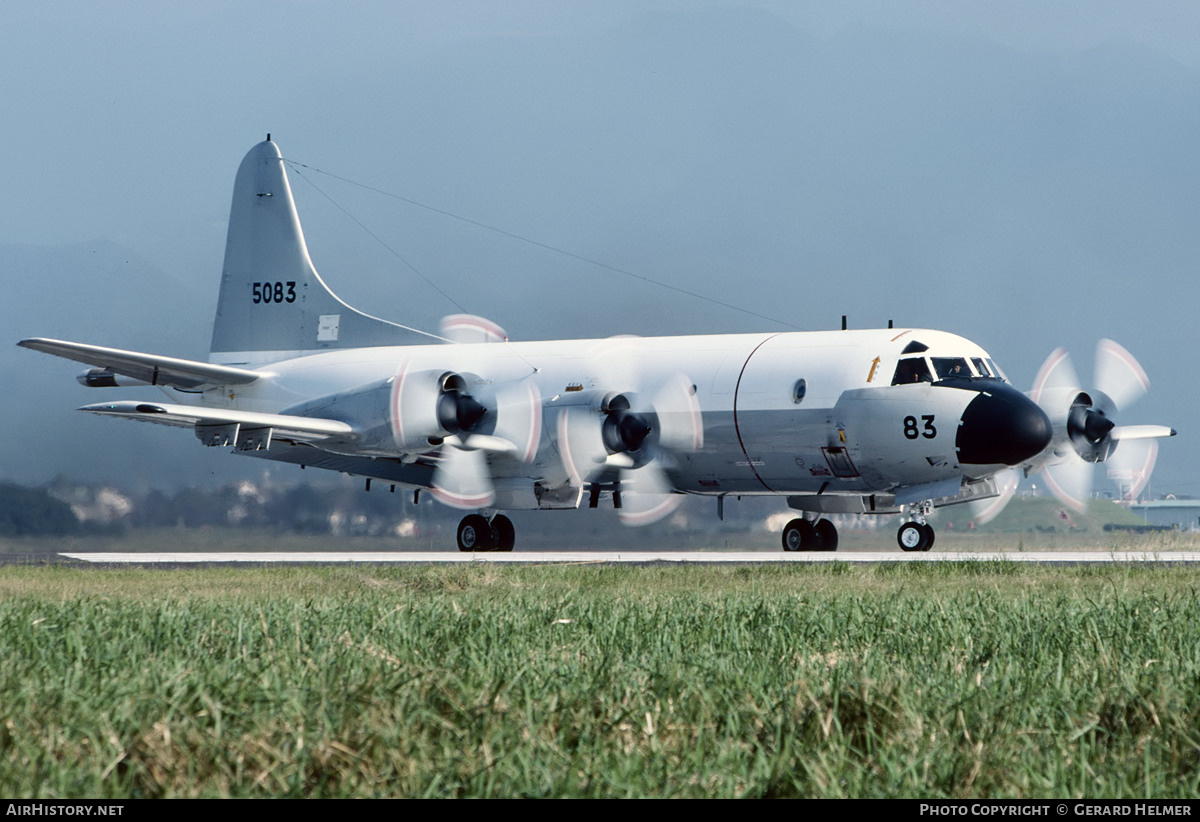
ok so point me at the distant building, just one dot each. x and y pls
(1184, 514)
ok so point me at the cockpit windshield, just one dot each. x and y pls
(917, 369)
(947, 367)
(912, 369)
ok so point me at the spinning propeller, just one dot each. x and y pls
(1086, 431)
(466, 418)
(1085, 427)
(632, 433)
(986, 510)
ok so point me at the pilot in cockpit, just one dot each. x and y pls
(912, 370)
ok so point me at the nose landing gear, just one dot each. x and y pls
(915, 536)
(802, 535)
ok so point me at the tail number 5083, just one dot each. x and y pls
(274, 292)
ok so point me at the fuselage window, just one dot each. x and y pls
(981, 367)
(910, 370)
(947, 367)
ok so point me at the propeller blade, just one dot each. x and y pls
(680, 427)
(1056, 373)
(646, 495)
(580, 443)
(1142, 432)
(638, 424)
(462, 480)
(469, 328)
(413, 411)
(612, 362)
(984, 511)
(1070, 481)
(1130, 466)
(1088, 419)
(519, 417)
(1118, 374)
(481, 442)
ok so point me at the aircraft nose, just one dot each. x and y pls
(1002, 426)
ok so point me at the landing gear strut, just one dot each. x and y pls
(476, 533)
(802, 535)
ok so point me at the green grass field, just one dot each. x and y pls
(974, 680)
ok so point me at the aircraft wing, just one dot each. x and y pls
(151, 369)
(223, 423)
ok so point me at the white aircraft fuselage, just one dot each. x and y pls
(850, 431)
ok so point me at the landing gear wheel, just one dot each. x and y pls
(506, 535)
(827, 536)
(475, 534)
(928, 536)
(799, 535)
(914, 536)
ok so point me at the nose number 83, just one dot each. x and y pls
(912, 430)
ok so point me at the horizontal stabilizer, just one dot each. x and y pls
(284, 426)
(151, 369)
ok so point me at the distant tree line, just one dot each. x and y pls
(34, 512)
(338, 508)
(64, 508)
(298, 508)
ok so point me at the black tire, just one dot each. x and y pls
(827, 536)
(799, 535)
(929, 535)
(912, 537)
(505, 533)
(475, 534)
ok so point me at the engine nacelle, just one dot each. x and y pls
(414, 412)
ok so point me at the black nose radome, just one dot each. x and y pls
(1002, 426)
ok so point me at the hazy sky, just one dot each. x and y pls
(1022, 173)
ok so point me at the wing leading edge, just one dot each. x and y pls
(152, 369)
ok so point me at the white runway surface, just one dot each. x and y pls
(634, 557)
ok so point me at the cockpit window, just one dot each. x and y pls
(951, 367)
(912, 369)
(916, 369)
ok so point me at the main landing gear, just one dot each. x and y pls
(477, 533)
(802, 535)
(915, 536)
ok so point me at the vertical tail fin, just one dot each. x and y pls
(273, 304)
